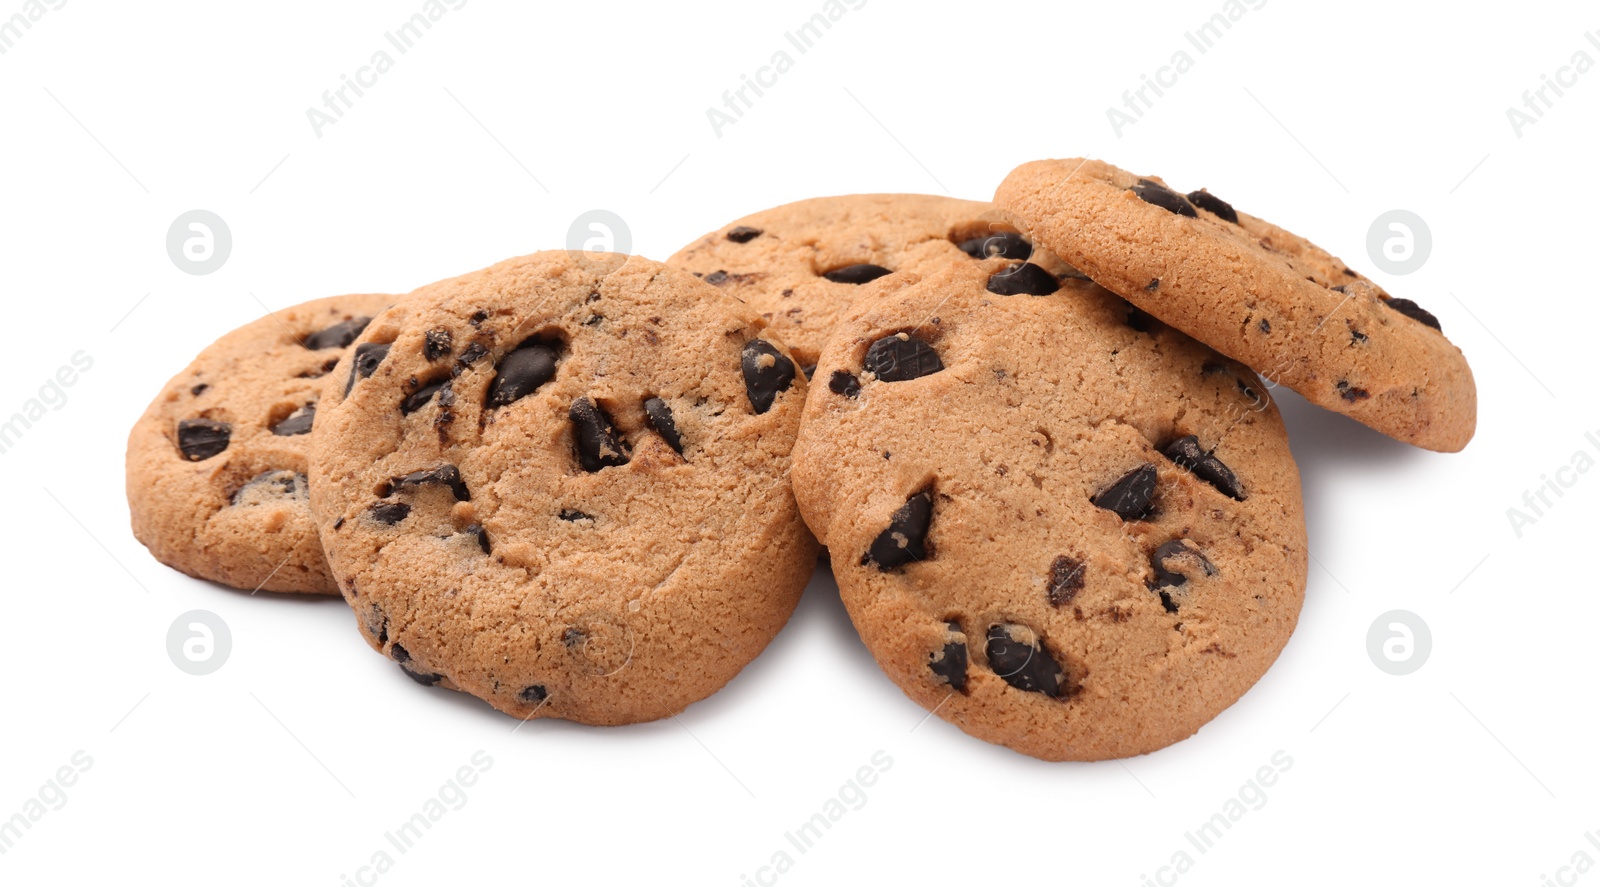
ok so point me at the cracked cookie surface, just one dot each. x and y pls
(1062, 526)
(1254, 291)
(216, 466)
(561, 484)
(801, 264)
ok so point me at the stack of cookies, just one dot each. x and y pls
(1034, 435)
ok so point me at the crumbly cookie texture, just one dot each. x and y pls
(1255, 292)
(1061, 525)
(561, 484)
(801, 264)
(216, 466)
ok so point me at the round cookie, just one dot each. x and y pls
(561, 484)
(1255, 292)
(216, 466)
(801, 264)
(1058, 524)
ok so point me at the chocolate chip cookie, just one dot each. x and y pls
(801, 264)
(1255, 292)
(216, 466)
(561, 484)
(1061, 525)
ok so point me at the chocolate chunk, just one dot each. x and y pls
(1165, 560)
(436, 344)
(767, 373)
(535, 693)
(297, 422)
(444, 475)
(950, 662)
(1067, 575)
(1023, 279)
(905, 539)
(478, 317)
(470, 355)
(744, 234)
(200, 389)
(272, 486)
(1024, 666)
(857, 273)
(365, 362)
(597, 441)
(1157, 194)
(419, 398)
(1186, 451)
(1415, 312)
(844, 383)
(1350, 392)
(340, 335)
(478, 532)
(389, 513)
(1130, 495)
(901, 358)
(1215, 205)
(1265, 326)
(659, 415)
(1005, 245)
(1357, 337)
(716, 278)
(568, 514)
(200, 439)
(520, 373)
(1153, 285)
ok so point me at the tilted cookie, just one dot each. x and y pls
(801, 264)
(1059, 525)
(216, 466)
(1255, 292)
(561, 484)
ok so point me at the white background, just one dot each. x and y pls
(505, 123)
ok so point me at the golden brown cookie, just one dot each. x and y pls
(1058, 524)
(1255, 292)
(216, 466)
(561, 484)
(801, 264)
